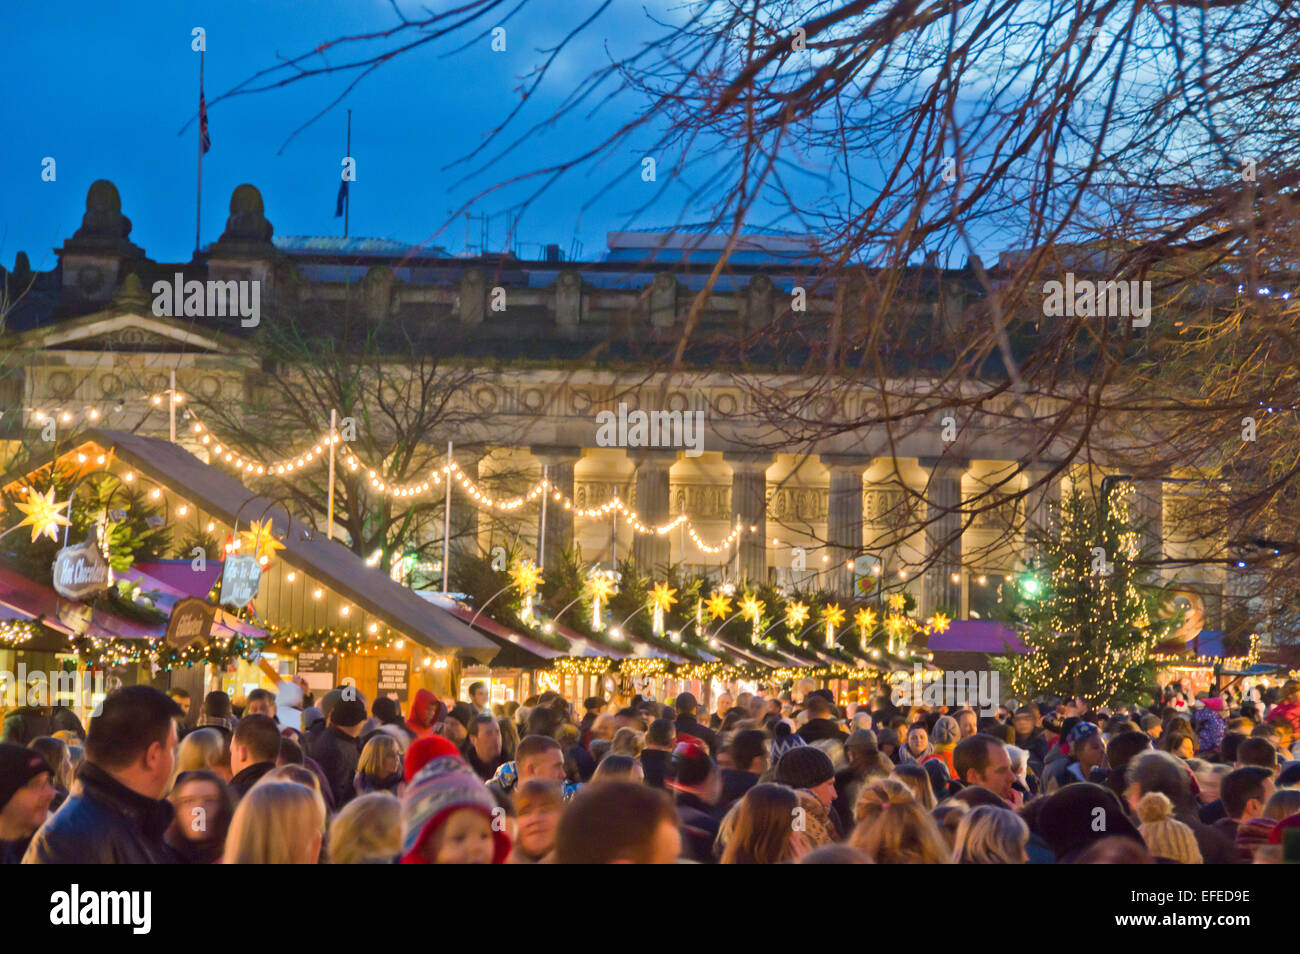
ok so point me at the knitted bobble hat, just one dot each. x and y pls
(1165, 836)
(445, 785)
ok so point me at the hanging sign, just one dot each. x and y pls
(241, 578)
(80, 571)
(394, 678)
(190, 622)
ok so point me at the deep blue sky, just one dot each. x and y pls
(104, 88)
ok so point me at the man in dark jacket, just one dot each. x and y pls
(253, 751)
(116, 813)
(749, 756)
(697, 786)
(660, 738)
(336, 749)
(820, 725)
(25, 797)
(687, 724)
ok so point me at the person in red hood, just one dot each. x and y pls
(1288, 707)
(427, 711)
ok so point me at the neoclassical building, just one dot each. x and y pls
(558, 343)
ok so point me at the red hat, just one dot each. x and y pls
(425, 750)
(1291, 821)
(1215, 703)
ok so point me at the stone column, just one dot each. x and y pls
(1147, 509)
(844, 518)
(1042, 505)
(749, 509)
(651, 550)
(943, 534)
(559, 521)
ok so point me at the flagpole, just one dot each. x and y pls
(446, 529)
(347, 196)
(198, 188)
(333, 427)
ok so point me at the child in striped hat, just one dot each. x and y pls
(449, 817)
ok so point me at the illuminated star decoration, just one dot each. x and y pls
(662, 597)
(526, 576)
(938, 623)
(260, 541)
(751, 607)
(600, 587)
(719, 605)
(43, 514)
(866, 620)
(832, 616)
(896, 625)
(898, 602)
(796, 614)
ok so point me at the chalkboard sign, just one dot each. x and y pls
(241, 578)
(190, 622)
(321, 670)
(395, 678)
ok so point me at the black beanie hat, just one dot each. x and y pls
(347, 713)
(18, 766)
(385, 709)
(804, 766)
(1068, 820)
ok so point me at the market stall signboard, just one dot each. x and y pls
(190, 622)
(80, 571)
(241, 578)
(395, 678)
(321, 670)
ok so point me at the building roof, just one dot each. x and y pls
(325, 561)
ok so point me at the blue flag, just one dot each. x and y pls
(343, 195)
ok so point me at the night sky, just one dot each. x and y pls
(105, 88)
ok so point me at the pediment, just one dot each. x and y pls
(126, 331)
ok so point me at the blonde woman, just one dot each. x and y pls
(204, 750)
(368, 831)
(899, 833)
(918, 780)
(881, 791)
(380, 767)
(276, 823)
(991, 836)
(627, 741)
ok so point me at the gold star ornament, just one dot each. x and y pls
(44, 516)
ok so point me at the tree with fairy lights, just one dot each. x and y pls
(1089, 612)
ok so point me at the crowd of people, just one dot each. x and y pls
(795, 777)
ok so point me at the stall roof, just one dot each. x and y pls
(329, 563)
(976, 636)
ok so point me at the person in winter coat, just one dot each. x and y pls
(916, 748)
(25, 797)
(205, 806)
(116, 813)
(427, 711)
(380, 767)
(447, 817)
(946, 735)
(335, 749)
(1288, 708)
(1208, 724)
(25, 724)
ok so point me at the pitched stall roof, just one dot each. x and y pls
(329, 563)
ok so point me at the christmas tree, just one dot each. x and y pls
(1088, 610)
